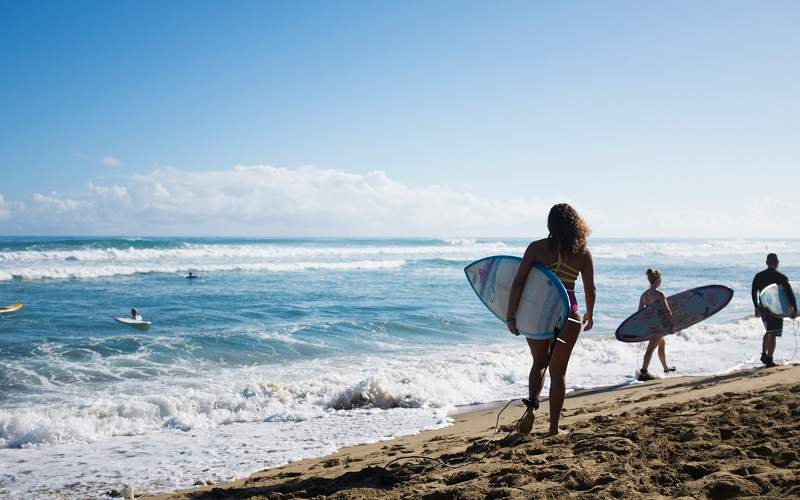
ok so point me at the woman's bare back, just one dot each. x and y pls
(546, 256)
(651, 296)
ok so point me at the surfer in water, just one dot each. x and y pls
(654, 296)
(566, 253)
(773, 325)
(135, 315)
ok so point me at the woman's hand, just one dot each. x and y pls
(588, 322)
(670, 323)
(512, 326)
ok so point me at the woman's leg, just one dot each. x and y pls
(662, 354)
(558, 371)
(536, 376)
(535, 381)
(651, 346)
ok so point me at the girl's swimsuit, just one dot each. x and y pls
(568, 275)
(573, 303)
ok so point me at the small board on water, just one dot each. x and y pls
(688, 308)
(775, 299)
(544, 306)
(10, 309)
(136, 323)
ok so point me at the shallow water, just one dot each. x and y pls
(286, 349)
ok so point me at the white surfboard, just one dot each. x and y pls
(136, 323)
(544, 306)
(775, 299)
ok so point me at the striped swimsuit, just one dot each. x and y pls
(568, 275)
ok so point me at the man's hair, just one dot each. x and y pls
(772, 258)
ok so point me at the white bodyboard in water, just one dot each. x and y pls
(137, 323)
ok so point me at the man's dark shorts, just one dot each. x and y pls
(773, 325)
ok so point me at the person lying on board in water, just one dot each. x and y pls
(565, 252)
(654, 296)
(773, 325)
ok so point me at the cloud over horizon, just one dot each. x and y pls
(111, 161)
(267, 200)
(262, 200)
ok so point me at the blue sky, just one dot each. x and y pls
(407, 118)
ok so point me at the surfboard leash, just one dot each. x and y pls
(528, 403)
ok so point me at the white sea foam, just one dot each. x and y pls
(433, 378)
(360, 399)
(92, 262)
(678, 249)
(98, 270)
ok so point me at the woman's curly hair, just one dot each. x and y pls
(569, 233)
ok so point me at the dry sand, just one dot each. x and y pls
(718, 437)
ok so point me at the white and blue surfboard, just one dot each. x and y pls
(775, 299)
(544, 306)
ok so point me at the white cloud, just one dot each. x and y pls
(54, 202)
(273, 201)
(266, 200)
(109, 193)
(111, 161)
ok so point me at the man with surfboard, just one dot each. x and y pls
(565, 252)
(773, 325)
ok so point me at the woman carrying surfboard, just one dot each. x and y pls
(655, 296)
(565, 252)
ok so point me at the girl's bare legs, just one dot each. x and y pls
(558, 371)
(662, 355)
(536, 376)
(651, 346)
(535, 380)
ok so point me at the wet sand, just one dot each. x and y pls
(717, 437)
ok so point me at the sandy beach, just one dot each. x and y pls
(718, 437)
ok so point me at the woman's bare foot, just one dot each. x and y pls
(557, 432)
(525, 424)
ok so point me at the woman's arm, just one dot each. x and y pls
(517, 286)
(641, 302)
(589, 290)
(667, 310)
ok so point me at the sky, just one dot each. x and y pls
(415, 118)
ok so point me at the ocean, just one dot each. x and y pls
(286, 349)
